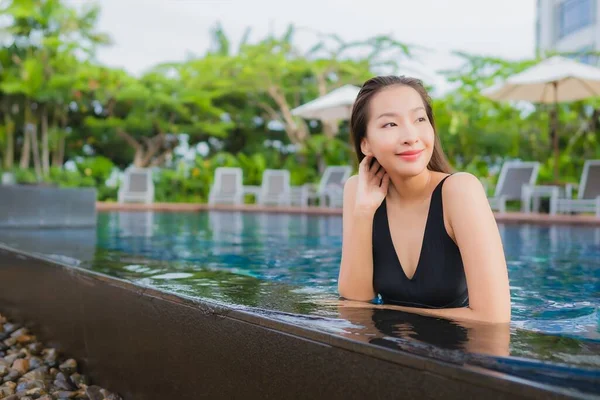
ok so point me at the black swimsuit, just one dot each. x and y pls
(439, 280)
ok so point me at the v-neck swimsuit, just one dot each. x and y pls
(439, 280)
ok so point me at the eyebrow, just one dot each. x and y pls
(393, 114)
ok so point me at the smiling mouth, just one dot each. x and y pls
(410, 153)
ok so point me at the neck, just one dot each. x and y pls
(411, 189)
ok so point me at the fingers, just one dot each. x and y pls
(365, 163)
(375, 167)
(376, 172)
(373, 172)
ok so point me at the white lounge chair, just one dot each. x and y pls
(227, 187)
(329, 191)
(8, 178)
(137, 186)
(275, 188)
(513, 176)
(588, 193)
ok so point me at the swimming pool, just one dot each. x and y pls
(285, 266)
(289, 263)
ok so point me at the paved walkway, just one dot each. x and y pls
(509, 217)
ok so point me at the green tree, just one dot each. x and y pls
(149, 113)
(45, 36)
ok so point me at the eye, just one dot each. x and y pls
(421, 119)
(389, 123)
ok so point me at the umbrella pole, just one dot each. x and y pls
(555, 131)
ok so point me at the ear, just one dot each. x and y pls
(365, 147)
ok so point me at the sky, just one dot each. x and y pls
(147, 32)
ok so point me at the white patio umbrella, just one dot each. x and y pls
(334, 106)
(552, 81)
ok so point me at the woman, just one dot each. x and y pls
(414, 234)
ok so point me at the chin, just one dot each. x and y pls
(409, 169)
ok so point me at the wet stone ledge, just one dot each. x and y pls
(29, 370)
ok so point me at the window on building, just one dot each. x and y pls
(581, 55)
(574, 15)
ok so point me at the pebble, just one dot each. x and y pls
(30, 371)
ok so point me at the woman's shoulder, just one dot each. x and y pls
(463, 180)
(463, 189)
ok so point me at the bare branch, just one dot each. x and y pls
(129, 139)
(270, 110)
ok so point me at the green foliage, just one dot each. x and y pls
(98, 168)
(178, 186)
(65, 178)
(25, 176)
(229, 98)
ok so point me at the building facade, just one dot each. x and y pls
(568, 26)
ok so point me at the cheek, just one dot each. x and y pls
(381, 142)
(428, 138)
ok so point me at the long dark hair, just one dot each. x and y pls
(360, 116)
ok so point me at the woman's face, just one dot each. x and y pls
(399, 134)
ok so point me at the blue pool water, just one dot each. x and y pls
(286, 266)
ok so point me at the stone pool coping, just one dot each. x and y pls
(508, 217)
(146, 343)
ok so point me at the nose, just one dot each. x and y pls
(409, 135)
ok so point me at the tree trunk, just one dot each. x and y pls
(594, 120)
(297, 133)
(62, 138)
(55, 128)
(26, 150)
(153, 146)
(55, 150)
(555, 142)
(45, 144)
(138, 159)
(9, 153)
(35, 150)
(61, 149)
(321, 163)
(58, 153)
(160, 160)
(330, 128)
(29, 140)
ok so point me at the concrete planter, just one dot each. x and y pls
(24, 206)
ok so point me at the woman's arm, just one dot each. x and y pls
(355, 280)
(474, 230)
(363, 194)
(473, 227)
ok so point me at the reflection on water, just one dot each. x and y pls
(285, 266)
(289, 263)
(139, 224)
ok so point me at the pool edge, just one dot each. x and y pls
(65, 320)
(505, 218)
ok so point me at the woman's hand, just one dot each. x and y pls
(372, 186)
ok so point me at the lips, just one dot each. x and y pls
(410, 153)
